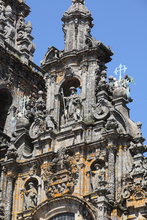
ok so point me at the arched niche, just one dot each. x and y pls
(71, 206)
(5, 103)
(30, 193)
(68, 83)
(71, 108)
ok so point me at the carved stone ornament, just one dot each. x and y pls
(30, 196)
(39, 124)
(36, 129)
(101, 110)
(126, 193)
(145, 164)
(61, 174)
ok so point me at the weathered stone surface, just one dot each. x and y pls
(70, 150)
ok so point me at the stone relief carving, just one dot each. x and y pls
(61, 174)
(101, 110)
(12, 151)
(30, 196)
(38, 126)
(101, 80)
(111, 123)
(24, 38)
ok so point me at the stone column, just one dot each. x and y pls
(111, 171)
(9, 198)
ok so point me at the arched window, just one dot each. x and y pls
(64, 216)
(5, 103)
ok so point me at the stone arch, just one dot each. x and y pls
(66, 204)
(5, 103)
(69, 82)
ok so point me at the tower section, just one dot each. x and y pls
(74, 70)
(20, 81)
(77, 26)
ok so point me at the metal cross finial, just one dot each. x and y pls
(78, 1)
(120, 70)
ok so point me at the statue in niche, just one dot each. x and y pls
(95, 176)
(72, 106)
(30, 196)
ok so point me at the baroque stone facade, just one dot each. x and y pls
(68, 148)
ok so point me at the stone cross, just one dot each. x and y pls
(120, 70)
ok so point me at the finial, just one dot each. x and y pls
(78, 1)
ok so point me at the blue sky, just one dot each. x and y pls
(121, 24)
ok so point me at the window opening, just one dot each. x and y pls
(64, 216)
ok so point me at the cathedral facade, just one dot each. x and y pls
(68, 148)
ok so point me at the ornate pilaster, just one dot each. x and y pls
(9, 197)
(11, 167)
(111, 171)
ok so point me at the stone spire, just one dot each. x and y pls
(77, 26)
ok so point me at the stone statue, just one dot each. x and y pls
(96, 176)
(121, 87)
(72, 106)
(30, 196)
(50, 122)
(126, 84)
